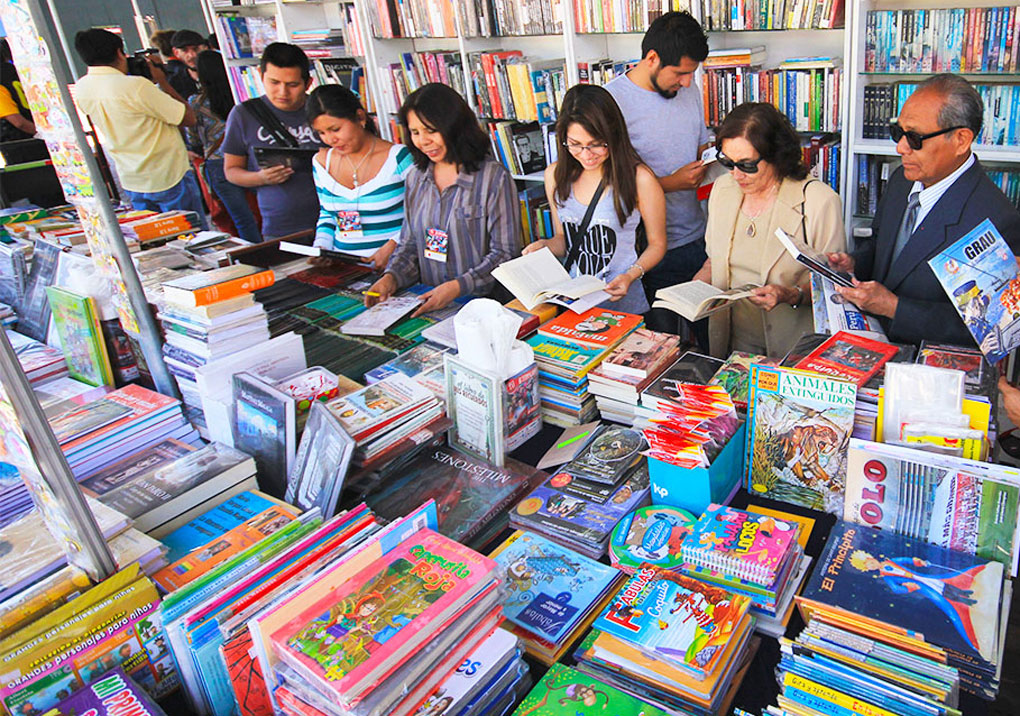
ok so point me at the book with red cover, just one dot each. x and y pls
(849, 357)
(596, 327)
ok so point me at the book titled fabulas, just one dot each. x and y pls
(740, 544)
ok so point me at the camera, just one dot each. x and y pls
(138, 65)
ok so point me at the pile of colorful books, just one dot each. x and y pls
(887, 613)
(112, 694)
(757, 556)
(580, 505)
(553, 595)
(207, 316)
(673, 641)
(40, 362)
(617, 382)
(566, 349)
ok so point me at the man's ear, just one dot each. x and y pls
(652, 58)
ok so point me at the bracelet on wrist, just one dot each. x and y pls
(640, 268)
(800, 297)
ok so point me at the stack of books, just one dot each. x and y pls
(121, 423)
(566, 349)
(207, 316)
(382, 637)
(382, 416)
(650, 535)
(617, 382)
(943, 608)
(40, 362)
(554, 593)
(581, 504)
(671, 640)
(114, 623)
(758, 556)
(157, 229)
(583, 695)
(165, 486)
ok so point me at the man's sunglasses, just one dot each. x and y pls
(915, 140)
(748, 166)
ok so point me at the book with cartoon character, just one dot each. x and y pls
(979, 274)
(564, 691)
(672, 617)
(551, 588)
(900, 588)
(799, 425)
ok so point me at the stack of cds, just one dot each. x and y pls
(757, 556)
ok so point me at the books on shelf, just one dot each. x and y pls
(771, 14)
(246, 35)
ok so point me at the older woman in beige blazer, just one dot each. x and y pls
(768, 188)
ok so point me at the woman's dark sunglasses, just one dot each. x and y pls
(748, 166)
(915, 140)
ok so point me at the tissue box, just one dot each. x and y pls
(490, 416)
(694, 489)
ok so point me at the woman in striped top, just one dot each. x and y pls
(359, 178)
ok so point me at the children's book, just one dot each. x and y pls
(595, 328)
(76, 319)
(641, 354)
(965, 505)
(373, 622)
(799, 426)
(733, 375)
(494, 655)
(564, 356)
(740, 544)
(650, 535)
(550, 587)
(915, 589)
(115, 693)
(676, 618)
(565, 691)
(848, 356)
(979, 274)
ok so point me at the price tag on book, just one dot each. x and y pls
(436, 245)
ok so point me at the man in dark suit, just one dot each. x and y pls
(940, 193)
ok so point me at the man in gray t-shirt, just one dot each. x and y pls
(666, 123)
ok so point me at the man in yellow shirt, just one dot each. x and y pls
(139, 122)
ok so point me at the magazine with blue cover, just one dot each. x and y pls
(979, 274)
(951, 599)
(550, 587)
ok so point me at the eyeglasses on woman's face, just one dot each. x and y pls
(748, 166)
(595, 149)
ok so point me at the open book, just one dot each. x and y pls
(539, 277)
(814, 260)
(696, 299)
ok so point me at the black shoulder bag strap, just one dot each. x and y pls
(575, 246)
(803, 211)
(271, 122)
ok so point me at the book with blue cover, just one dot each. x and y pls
(979, 274)
(551, 588)
(217, 521)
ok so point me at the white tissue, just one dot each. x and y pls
(487, 338)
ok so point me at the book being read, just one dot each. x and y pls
(380, 317)
(539, 277)
(695, 300)
(815, 261)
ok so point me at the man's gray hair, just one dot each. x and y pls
(962, 105)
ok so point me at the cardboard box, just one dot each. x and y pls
(693, 490)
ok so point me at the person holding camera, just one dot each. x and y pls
(138, 117)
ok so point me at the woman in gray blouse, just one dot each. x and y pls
(462, 218)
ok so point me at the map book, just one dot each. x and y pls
(799, 425)
(565, 691)
(595, 328)
(979, 274)
(349, 639)
(550, 588)
(967, 505)
(849, 356)
(676, 618)
(901, 586)
(76, 319)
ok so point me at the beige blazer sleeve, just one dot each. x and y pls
(808, 210)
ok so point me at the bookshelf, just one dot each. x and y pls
(928, 37)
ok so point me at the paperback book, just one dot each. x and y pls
(265, 427)
(799, 426)
(539, 277)
(565, 691)
(850, 357)
(640, 354)
(595, 328)
(695, 300)
(76, 319)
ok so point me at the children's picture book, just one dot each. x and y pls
(640, 354)
(113, 694)
(76, 319)
(681, 620)
(650, 535)
(695, 300)
(849, 356)
(564, 356)
(595, 328)
(610, 452)
(966, 505)
(740, 544)
(491, 658)
(565, 691)
(375, 620)
(470, 493)
(799, 426)
(380, 317)
(733, 375)
(979, 274)
(550, 587)
(949, 599)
